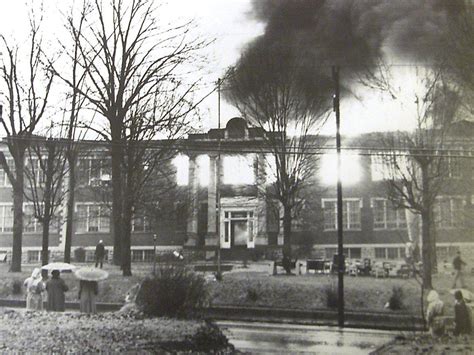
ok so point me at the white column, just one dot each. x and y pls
(193, 208)
(261, 237)
(211, 236)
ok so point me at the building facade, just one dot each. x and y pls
(219, 200)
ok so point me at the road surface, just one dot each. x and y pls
(271, 338)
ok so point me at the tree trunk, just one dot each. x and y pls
(70, 207)
(17, 217)
(45, 240)
(427, 247)
(126, 239)
(117, 193)
(287, 238)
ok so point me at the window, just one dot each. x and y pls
(140, 223)
(6, 218)
(93, 171)
(389, 253)
(454, 164)
(449, 212)
(30, 222)
(33, 169)
(92, 218)
(386, 215)
(392, 165)
(146, 255)
(351, 214)
(380, 253)
(4, 181)
(34, 256)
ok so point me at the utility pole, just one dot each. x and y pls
(340, 237)
(218, 179)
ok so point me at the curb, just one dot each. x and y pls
(371, 320)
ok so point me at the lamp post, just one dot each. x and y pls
(154, 254)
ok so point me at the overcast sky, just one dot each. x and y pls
(230, 23)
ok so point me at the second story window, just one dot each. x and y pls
(449, 212)
(350, 217)
(6, 218)
(386, 215)
(93, 171)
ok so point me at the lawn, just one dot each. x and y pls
(255, 286)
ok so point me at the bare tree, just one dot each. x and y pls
(28, 86)
(276, 89)
(416, 164)
(45, 170)
(129, 62)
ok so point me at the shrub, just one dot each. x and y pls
(17, 287)
(252, 294)
(209, 339)
(396, 299)
(80, 255)
(331, 296)
(173, 292)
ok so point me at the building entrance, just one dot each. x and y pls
(237, 229)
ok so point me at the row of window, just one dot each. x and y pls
(89, 218)
(30, 223)
(239, 169)
(448, 213)
(96, 218)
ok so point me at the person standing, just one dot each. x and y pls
(462, 315)
(458, 264)
(99, 254)
(34, 289)
(56, 288)
(434, 311)
(88, 291)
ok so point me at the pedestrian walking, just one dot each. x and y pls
(99, 254)
(56, 288)
(34, 289)
(88, 291)
(458, 265)
(434, 311)
(462, 315)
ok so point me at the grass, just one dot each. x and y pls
(305, 291)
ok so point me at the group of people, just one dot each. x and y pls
(40, 288)
(435, 311)
(462, 311)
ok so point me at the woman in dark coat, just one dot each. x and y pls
(462, 316)
(56, 288)
(87, 294)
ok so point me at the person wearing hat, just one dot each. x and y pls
(56, 288)
(462, 315)
(34, 289)
(99, 254)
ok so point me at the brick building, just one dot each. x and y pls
(230, 167)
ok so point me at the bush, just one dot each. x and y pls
(396, 299)
(331, 296)
(252, 294)
(173, 292)
(80, 255)
(209, 339)
(17, 287)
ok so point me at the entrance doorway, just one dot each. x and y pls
(237, 229)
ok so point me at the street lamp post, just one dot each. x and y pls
(154, 254)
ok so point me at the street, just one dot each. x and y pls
(290, 339)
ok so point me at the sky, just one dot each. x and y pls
(231, 24)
